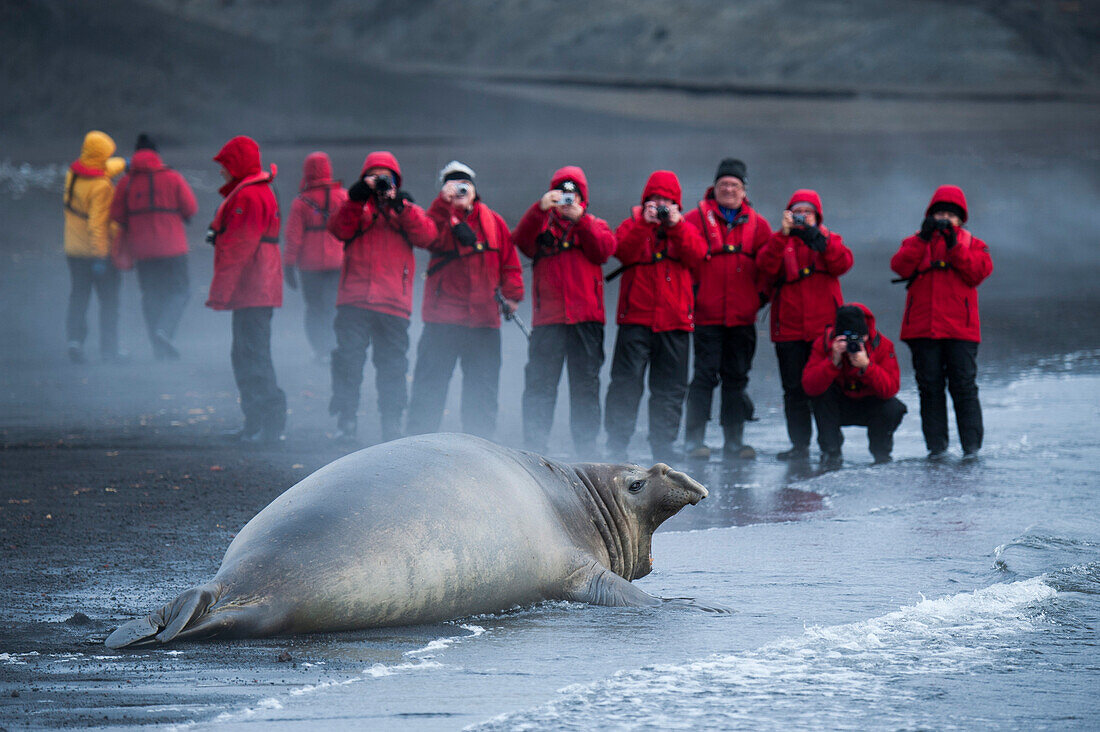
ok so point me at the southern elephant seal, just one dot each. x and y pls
(425, 529)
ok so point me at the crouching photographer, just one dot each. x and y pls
(852, 378)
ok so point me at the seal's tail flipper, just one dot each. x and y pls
(185, 612)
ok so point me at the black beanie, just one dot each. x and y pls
(731, 166)
(850, 319)
(949, 208)
(144, 142)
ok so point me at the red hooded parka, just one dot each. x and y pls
(152, 203)
(656, 290)
(462, 281)
(729, 289)
(378, 258)
(247, 266)
(807, 291)
(309, 245)
(568, 280)
(942, 298)
(880, 379)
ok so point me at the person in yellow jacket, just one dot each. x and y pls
(89, 239)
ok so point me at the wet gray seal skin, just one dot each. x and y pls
(425, 529)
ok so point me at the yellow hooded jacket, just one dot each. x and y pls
(87, 198)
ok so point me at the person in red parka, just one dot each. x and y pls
(802, 262)
(151, 205)
(942, 266)
(248, 280)
(728, 293)
(473, 258)
(380, 225)
(852, 377)
(656, 315)
(567, 245)
(313, 255)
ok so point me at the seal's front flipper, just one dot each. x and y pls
(597, 585)
(165, 624)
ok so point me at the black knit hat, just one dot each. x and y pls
(144, 142)
(850, 319)
(949, 208)
(731, 166)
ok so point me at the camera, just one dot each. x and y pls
(798, 219)
(382, 184)
(461, 190)
(568, 199)
(942, 224)
(855, 344)
(663, 213)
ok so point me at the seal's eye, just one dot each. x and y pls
(637, 486)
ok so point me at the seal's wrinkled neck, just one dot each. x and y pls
(619, 530)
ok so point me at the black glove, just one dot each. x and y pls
(926, 228)
(398, 203)
(463, 234)
(360, 191)
(949, 237)
(290, 274)
(813, 237)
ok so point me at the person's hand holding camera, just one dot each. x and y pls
(664, 213)
(839, 348)
(458, 193)
(572, 211)
(927, 228)
(360, 191)
(859, 358)
(550, 199)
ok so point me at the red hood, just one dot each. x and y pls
(949, 194)
(662, 183)
(383, 159)
(573, 173)
(145, 161)
(810, 197)
(240, 156)
(317, 170)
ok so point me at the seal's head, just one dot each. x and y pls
(632, 502)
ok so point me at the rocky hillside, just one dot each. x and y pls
(1004, 46)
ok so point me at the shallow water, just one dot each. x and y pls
(911, 595)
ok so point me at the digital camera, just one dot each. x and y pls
(382, 184)
(663, 213)
(855, 343)
(798, 219)
(942, 224)
(461, 190)
(568, 199)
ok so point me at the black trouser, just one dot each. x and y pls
(666, 355)
(356, 330)
(940, 360)
(262, 401)
(86, 273)
(722, 355)
(580, 347)
(440, 346)
(319, 290)
(792, 356)
(881, 417)
(164, 293)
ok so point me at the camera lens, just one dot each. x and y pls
(662, 213)
(382, 184)
(461, 190)
(799, 219)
